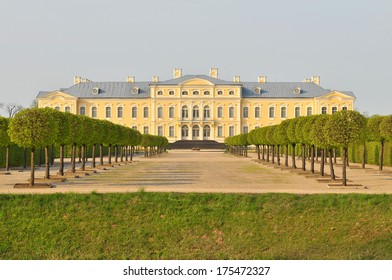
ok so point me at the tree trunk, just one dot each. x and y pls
(322, 162)
(364, 155)
(61, 167)
(268, 153)
(126, 153)
(344, 167)
(24, 158)
(312, 159)
(83, 152)
(293, 156)
(93, 155)
(80, 154)
(273, 154)
(32, 167)
(101, 154)
(40, 157)
(47, 163)
(7, 158)
(334, 156)
(110, 154)
(381, 156)
(116, 153)
(131, 154)
(122, 153)
(73, 158)
(331, 165)
(303, 157)
(263, 153)
(258, 151)
(278, 154)
(286, 160)
(53, 155)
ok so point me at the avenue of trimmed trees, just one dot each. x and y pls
(323, 133)
(45, 128)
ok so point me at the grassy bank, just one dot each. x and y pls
(195, 226)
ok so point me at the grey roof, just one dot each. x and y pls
(124, 89)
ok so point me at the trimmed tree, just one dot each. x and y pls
(291, 134)
(373, 129)
(306, 134)
(283, 139)
(386, 128)
(343, 129)
(33, 128)
(5, 140)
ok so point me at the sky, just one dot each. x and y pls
(45, 43)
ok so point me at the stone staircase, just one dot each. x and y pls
(201, 144)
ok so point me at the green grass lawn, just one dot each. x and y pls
(195, 226)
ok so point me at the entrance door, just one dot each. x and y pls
(195, 132)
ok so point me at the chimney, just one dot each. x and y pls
(77, 80)
(214, 72)
(237, 79)
(316, 80)
(177, 72)
(130, 79)
(155, 79)
(262, 79)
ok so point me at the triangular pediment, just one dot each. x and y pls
(197, 82)
(336, 95)
(58, 95)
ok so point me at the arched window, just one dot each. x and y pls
(334, 110)
(160, 130)
(245, 129)
(195, 131)
(171, 131)
(206, 92)
(206, 131)
(220, 92)
(195, 112)
(184, 112)
(323, 110)
(108, 112)
(134, 112)
(82, 111)
(160, 112)
(309, 111)
(245, 112)
(257, 112)
(184, 131)
(160, 92)
(195, 92)
(119, 112)
(297, 112)
(344, 108)
(206, 113)
(231, 92)
(231, 112)
(171, 92)
(94, 112)
(171, 112)
(145, 130)
(220, 112)
(184, 92)
(67, 109)
(145, 112)
(272, 112)
(231, 130)
(283, 112)
(57, 108)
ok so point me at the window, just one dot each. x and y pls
(171, 92)
(160, 112)
(145, 129)
(344, 108)
(134, 112)
(195, 92)
(297, 112)
(67, 109)
(134, 127)
(231, 130)
(283, 112)
(272, 112)
(206, 131)
(220, 131)
(245, 129)
(220, 92)
(231, 112)
(257, 112)
(57, 108)
(195, 112)
(108, 112)
(195, 131)
(94, 112)
(184, 92)
(220, 112)
(160, 92)
(206, 92)
(82, 111)
(184, 131)
(206, 114)
(245, 112)
(184, 112)
(145, 112)
(119, 112)
(323, 110)
(171, 112)
(334, 110)
(231, 92)
(160, 130)
(309, 111)
(171, 131)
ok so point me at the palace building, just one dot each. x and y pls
(196, 107)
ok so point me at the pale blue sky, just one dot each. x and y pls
(44, 44)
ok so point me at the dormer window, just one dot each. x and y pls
(95, 90)
(297, 90)
(257, 90)
(135, 90)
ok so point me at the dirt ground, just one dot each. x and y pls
(203, 171)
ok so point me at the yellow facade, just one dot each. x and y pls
(196, 107)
